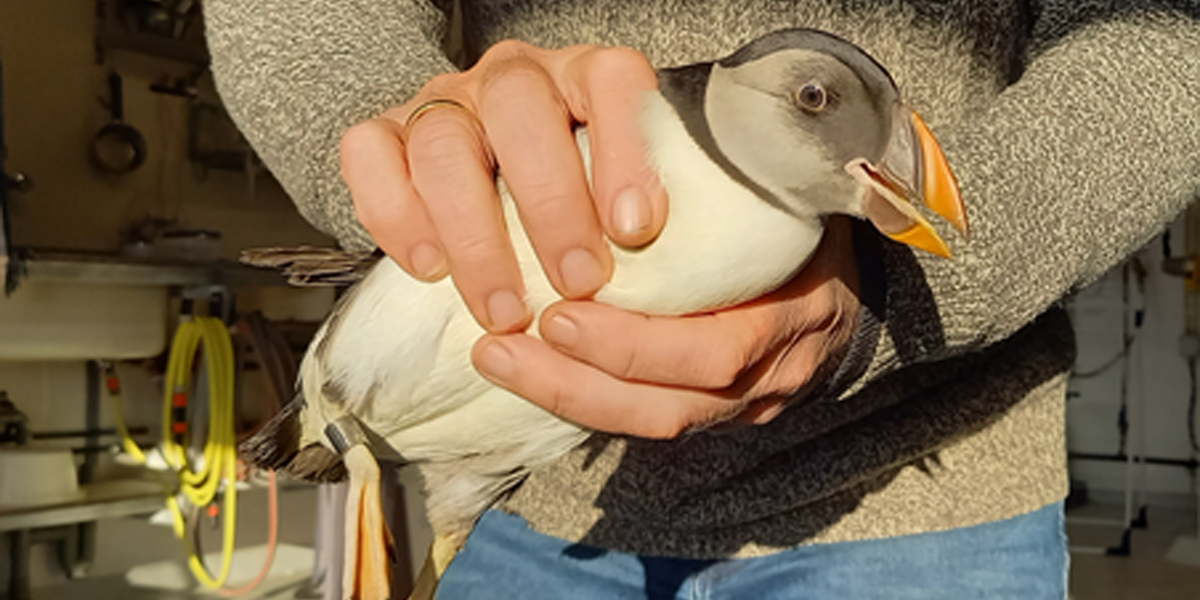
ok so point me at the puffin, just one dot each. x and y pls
(755, 151)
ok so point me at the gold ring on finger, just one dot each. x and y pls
(431, 106)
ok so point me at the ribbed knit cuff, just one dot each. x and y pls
(872, 293)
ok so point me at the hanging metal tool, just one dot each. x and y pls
(118, 147)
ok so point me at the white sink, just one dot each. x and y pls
(37, 476)
(57, 320)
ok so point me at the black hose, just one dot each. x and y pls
(1191, 416)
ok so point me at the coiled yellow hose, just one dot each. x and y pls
(219, 463)
(200, 485)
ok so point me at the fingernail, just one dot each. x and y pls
(561, 331)
(427, 261)
(496, 362)
(581, 273)
(505, 310)
(631, 212)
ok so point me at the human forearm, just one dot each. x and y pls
(295, 75)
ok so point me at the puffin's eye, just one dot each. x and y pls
(812, 97)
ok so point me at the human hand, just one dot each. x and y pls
(426, 190)
(659, 377)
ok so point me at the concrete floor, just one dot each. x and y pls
(1144, 575)
(114, 587)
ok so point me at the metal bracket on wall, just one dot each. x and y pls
(222, 302)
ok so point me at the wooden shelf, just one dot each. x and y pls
(155, 45)
(107, 500)
(80, 267)
(119, 27)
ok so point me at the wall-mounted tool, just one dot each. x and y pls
(118, 147)
(1185, 267)
(14, 425)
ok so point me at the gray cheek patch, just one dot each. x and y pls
(858, 121)
(857, 130)
(685, 89)
(756, 125)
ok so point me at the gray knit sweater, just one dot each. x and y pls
(1074, 129)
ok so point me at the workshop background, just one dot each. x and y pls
(104, 236)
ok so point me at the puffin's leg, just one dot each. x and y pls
(367, 571)
(441, 553)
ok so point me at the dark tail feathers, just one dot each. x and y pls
(276, 446)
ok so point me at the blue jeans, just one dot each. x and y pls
(1023, 558)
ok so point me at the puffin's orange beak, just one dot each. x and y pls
(914, 169)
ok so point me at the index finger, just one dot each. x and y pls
(606, 89)
(375, 168)
(531, 132)
(452, 170)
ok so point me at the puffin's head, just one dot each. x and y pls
(815, 125)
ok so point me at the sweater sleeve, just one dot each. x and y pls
(1072, 168)
(295, 74)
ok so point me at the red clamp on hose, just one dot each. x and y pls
(179, 425)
